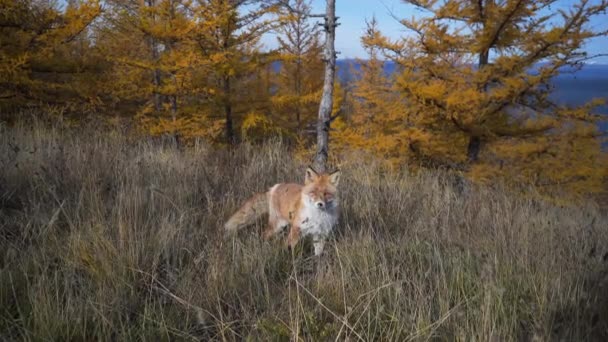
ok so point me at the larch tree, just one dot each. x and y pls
(254, 99)
(148, 41)
(300, 77)
(477, 79)
(227, 38)
(377, 122)
(34, 67)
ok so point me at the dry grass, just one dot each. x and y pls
(102, 238)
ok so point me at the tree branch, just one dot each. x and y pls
(286, 4)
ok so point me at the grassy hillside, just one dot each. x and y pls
(112, 239)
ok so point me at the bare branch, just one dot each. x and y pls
(286, 4)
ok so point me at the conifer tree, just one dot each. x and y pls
(377, 121)
(148, 42)
(34, 66)
(476, 78)
(300, 78)
(227, 35)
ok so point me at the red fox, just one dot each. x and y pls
(308, 210)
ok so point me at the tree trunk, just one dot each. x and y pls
(474, 146)
(473, 149)
(156, 77)
(173, 97)
(298, 95)
(230, 139)
(173, 101)
(325, 108)
(483, 58)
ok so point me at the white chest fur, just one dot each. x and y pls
(318, 222)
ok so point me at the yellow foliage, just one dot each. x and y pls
(472, 94)
(257, 125)
(35, 38)
(471, 91)
(193, 124)
(299, 80)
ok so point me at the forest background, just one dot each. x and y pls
(471, 87)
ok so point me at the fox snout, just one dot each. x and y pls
(320, 204)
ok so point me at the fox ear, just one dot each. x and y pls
(334, 177)
(311, 175)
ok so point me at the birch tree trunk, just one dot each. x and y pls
(326, 105)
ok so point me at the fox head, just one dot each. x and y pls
(321, 189)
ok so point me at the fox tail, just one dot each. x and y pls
(255, 207)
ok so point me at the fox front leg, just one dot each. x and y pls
(318, 243)
(293, 237)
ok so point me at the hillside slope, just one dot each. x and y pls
(103, 237)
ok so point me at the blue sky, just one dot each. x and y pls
(353, 13)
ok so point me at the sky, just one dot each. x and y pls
(353, 14)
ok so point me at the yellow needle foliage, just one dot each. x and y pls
(299, 80)
(150, 45)
(34, 35)
(474, 81)
(226, 39)
(378, 122)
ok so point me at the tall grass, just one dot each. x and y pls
(106, 238)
